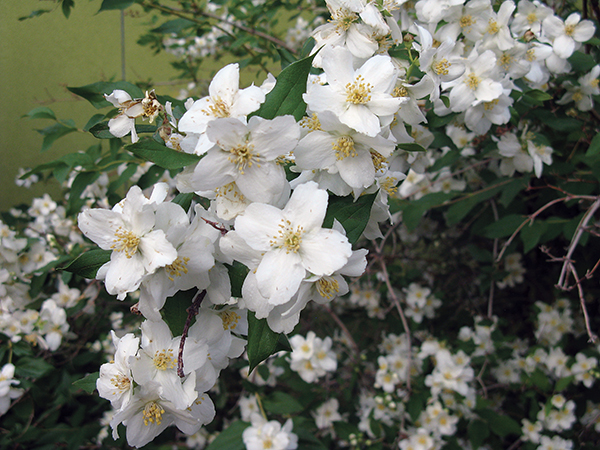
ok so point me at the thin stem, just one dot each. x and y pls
(353, 344)
(586, 317)
(490, 308)
(192, 311)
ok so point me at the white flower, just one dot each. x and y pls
(567, 36)
(326, 414)
(137, 248)
(269, 435)
(116, 382)
(360, 98)
(129, 109)
(291, 242)
(7, 391)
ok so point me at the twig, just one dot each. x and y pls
(576, 237)
(490, 308)
(586, 317)
(353, 344)
(192, 311)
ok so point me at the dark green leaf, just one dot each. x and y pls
(445, 100)
(414, 210)
(32, 367)
(162, 156)
(230, 438)
(185, 201)
(94, 93)
(81, 181)
(282, 403)
(540, 379)
(173, 26)
(412, 147)
(537, 96)
(42, 112)
(175, 310)
(87, 264)
(237, 274)
(153, 175)
(107, 5)
(582, 62)
(353, 215)
(563, 383)
(36, 13)
(52, 133)
(531, 234)
(67, 5)
(503, 227)
(510, 191)
(478, 432)
(262, 341)
(87, 383)
(500, 425)
(129, 171)
(594, 148)
(286, 96)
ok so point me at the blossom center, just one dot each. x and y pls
(400, 92)
(177, 268)
(466, 21)
(488, 106)
(267, 443)
(505, 61)
(493, 27)
(125, 241)
(218, 108)
(389, 185)
(230, 319)
(153, 413)
(378, 159)
(473, 81)
(287, 237)
(164, 360)
(359, 92)
(344, 147)
(343, 19)
(441, 67)
(569, 30)
(531, 17)
(121, 382)
(243, 157)
(328, 287)
(311, 122)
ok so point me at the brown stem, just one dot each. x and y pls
(192, 311)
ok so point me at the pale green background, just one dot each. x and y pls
(39, 57)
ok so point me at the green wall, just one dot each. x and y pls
(39, 57)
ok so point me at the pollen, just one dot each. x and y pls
(177, 268)
(311, 122)
(230, 319)
(577, 96)
(218, 109)
(493, 27)
(359, 92)
(467, 21)
(441, 67)
(389, 186)
(472, 81)
(569, 30)
(505, 61)
(344, 148)
(151, 106)
(125, 241)
(400, 92)
(530, 55)
(164, 360)
(121, 382)
(343, 19)
(152, 413)
(328, 287)
(594, 82)
(288, 238)
(378, 159)
(242, 156)
(488, 106)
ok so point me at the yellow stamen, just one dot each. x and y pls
(126, 241)
(152, 413)
(344, 147)
(358, 93)
(164, 359)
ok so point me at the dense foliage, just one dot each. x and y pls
(390, 244)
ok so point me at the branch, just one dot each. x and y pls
(192, 311)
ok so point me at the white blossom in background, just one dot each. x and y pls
(263, 434)
(7, 390)
(312, 357)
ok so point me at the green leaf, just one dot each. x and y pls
(87, 264)
(42, 112)
(175, 310)
(530, 234)
(581, 62)
(286, 96)
(35, 13)
(503, 227)
(540, 379)
(282, 403)
(412, 147)
(67, 5)
(594, 148)
(52, 133)
(101, 131)
(500, 425)
(185, 201)
(81, 181)
(353, 215)
(510, 191)
(237, 274)
(32, 367)
(262, 341)
(87, 383)
(413, 211)
(230, 438)
(173, 26)
(108, 5)
(458, 211)
(478, 432)
(563, 383)
(162, 156)
(94, 93)
(536, 96)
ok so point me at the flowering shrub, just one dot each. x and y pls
(411, 201)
